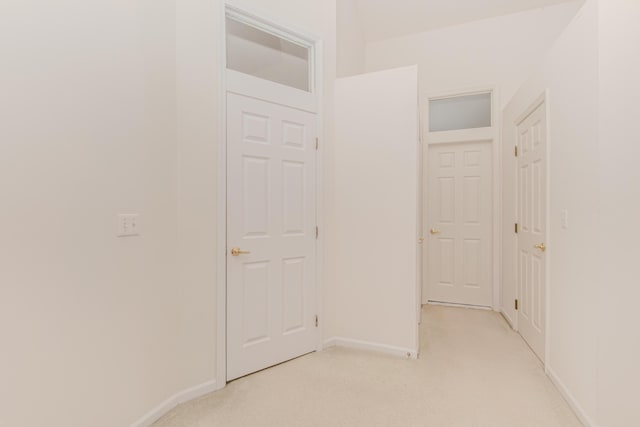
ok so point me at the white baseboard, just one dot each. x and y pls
(450, 304)
(181, 397)
(371, 346)
(573, 403)
(508, 318)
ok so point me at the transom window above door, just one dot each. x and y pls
(256, 52)
(460, 112)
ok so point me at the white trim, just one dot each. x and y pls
(450, 304)
(547, 278)
(420, 212)
(262, 20)
(465, 135)
(508, 319)
(570, 399)
(221, 240)
(496, 244)
(531, 108)
(254, 87)
(181, 397)
(452, 93)
(268, 26)
(425, 205)
(371, 346)
(319, 82)
(514, 210)
(267, 23)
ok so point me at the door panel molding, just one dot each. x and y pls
(271, 284)
(460, 224)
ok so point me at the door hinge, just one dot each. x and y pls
(516, 150)
(516, 304)
(316, 320)
(516, 228)
(317, 231)
(317, 143)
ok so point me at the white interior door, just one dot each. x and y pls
(532, 226)
(459, 217)
(271, 292)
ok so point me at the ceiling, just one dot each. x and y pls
(384, 19)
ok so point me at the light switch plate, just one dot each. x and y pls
(128, 225)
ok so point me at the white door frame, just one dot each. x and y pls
(541, 99)
(470, 135)
(274, 25)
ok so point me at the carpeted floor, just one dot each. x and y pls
(473, 370)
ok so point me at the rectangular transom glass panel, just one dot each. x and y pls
(460, 112)
(260, 54)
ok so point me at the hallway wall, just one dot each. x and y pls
(591, 75)
(350, 43)
(112, 107)
(570, 74)
(87, 130)
(497, 52)
(198, 99)
(374, 296)
(618, 236)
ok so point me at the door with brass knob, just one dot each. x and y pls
(531, 229)
(459, 224)
(271, 234)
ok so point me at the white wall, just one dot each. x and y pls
(373, 297)
(570, 74)
(619, 207)
(350, 39)
(198, 56)
(492, 52)
(87, 130)
(112, 107)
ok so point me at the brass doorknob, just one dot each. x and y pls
(434, 231)
(541, 246)
(420, 240)
(238, 252)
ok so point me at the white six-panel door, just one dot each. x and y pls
(459, 217)
(532, 211)
(271, 293)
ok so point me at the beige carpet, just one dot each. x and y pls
(473, 370)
